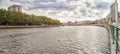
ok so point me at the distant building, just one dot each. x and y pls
(111, 19)
(16, 8)
(102, 21)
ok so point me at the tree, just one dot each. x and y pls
(19, 18)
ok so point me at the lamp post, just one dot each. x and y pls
(116, 12)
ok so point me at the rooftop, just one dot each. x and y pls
(15, 6)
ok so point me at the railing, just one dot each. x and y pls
(115, 36)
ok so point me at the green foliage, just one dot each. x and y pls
(18, 18)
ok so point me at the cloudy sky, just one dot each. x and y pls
(63, 10)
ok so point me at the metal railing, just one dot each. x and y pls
(115, 36)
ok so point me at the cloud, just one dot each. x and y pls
(6, 3)
(51, 6)
(64, 10)
(43, 4)
(102, 5)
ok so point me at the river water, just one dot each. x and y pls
(55, 40)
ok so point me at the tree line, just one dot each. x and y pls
(19, 18)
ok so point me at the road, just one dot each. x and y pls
(55, 40)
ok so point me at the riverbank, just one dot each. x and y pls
(39, 26)
(27, 26)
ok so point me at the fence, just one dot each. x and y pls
(115, 36)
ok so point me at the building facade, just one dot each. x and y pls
(111, 19)
(16, 8)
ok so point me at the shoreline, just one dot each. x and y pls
(36, 26)
(31, 26)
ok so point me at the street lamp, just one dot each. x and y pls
(116, 12)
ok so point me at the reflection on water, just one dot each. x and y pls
(56, 40)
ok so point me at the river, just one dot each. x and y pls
(55, 40)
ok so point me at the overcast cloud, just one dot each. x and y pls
(64, 10)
